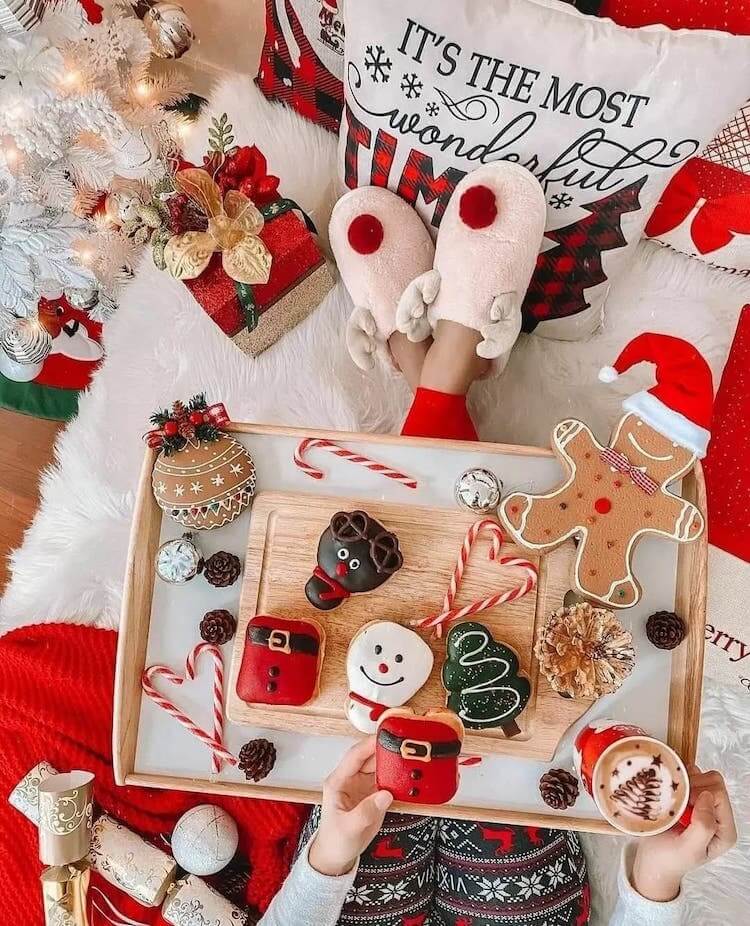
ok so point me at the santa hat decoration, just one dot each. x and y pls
(331, 5)
(680, 405)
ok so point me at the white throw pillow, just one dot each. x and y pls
(601, 114)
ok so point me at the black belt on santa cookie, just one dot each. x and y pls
(418, 750)
(283, 641)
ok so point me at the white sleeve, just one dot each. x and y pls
(308, 898)
(634, 910)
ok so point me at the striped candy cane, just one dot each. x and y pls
(487, 524)
(449, 613)
(215, 742)
(312, 443)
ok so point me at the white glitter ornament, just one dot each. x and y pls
(204, 840)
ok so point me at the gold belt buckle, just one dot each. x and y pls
(278, 641)
(418, 750)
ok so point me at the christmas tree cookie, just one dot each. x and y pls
(481, 676)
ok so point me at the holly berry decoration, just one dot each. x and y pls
(482, 678)
(196, 421)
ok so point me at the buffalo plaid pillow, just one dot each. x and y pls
(303, 58)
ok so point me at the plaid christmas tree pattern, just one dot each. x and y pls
(296, 75)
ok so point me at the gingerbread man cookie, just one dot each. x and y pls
(615, 495)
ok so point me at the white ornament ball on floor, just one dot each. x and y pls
(204, 840)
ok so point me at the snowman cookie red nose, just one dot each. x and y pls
(386, 665)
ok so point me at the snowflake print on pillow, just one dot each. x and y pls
(598, 115)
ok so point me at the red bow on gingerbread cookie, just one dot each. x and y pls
(614, 495)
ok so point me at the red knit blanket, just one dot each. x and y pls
(56, 685)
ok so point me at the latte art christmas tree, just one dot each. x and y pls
(481, 675)
(639, 795)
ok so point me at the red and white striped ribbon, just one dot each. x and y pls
(449, 613)
(312, 443)
(214, 742)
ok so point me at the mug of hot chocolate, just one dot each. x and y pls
(639, 784)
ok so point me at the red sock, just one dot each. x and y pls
(439, 414)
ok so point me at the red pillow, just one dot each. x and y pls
(732, 16)
(302, 62)
(705, 210)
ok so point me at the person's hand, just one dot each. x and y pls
(662, 861)
(352, 812)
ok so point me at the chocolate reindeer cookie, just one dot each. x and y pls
(355, 554)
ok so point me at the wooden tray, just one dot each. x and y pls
(686, 662)
(281, 549)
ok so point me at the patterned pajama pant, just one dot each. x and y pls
(424, 871)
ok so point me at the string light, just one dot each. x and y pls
(143, 89)
(71, 78)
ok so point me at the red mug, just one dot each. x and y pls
(594, 752)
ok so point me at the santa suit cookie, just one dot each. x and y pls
(616, 494)
(485, 255)
(416, 757)
(281, 661)
(386, 665)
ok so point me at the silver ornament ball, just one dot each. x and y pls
(478, 490)
(169, 29)
(83, 298)
(204, 840)
(25, 341)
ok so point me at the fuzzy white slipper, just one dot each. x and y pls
(380, 244)
(485, 255)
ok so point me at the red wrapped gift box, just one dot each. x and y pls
(255, 317)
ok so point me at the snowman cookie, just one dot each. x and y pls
(386, 665)
(614, 495)
(355, 554)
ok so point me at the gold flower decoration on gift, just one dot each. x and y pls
(234, 227)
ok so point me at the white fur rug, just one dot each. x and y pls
(161, 345)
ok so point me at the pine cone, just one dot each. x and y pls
(222, 569)
(257, 759)
(584, 651)
(559, 789)
(665, 629)
(218, 627)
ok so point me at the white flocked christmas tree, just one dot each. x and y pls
(89, 120)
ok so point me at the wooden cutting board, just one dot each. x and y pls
(281, 555)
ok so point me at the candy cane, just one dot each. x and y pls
(215, 742)
(311, 443)
(465, 552)
(449, 613)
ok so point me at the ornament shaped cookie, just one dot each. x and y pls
(481, 676)
(416, 756)
(386, 665)
(202, 478)
(615, 495)
(281, 661)
(355, 554)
